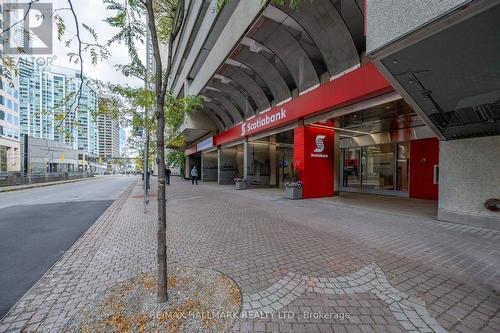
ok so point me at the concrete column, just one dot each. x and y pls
(186, 168)
(245, 159)
(273, 181)
(337, 181)
(202, 178)
(219, 163)
(468, 176)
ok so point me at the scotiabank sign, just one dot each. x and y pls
(358, 85)
(270, 118)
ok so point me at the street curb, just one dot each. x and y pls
(7, 189)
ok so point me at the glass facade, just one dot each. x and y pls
(270, 160)
(284, 157)
(231, 164)
(352, 167)
(209, 166)
(377, 167)
(259, 163)
(403, 166)
(382, 167)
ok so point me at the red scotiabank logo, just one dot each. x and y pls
(253, 125)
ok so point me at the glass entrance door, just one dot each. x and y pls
(284, 164)
(403, 166)
(378, 167)
(352, 167)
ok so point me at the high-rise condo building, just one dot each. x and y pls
(52, 106)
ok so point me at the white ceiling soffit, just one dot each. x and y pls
(254, 45)
(222, 78)
(211, 88)
(235, 63)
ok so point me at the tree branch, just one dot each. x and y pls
(80, 56)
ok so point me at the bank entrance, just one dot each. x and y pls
(264, 161)
(270, 160)
(387, 149)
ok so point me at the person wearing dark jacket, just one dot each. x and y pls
(194, 175)
(168, 172)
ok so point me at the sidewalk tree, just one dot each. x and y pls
(129, 16)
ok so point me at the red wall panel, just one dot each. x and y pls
(315, 166)
(424, 154)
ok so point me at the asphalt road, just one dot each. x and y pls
(38, 225)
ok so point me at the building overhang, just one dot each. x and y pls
(448, 67)
(282, 55)
(196, 126)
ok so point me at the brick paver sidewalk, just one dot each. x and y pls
(301, 265)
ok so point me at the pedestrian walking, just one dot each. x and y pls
(194, 175)
(168, 172)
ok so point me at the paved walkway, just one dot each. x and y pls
(303, 266)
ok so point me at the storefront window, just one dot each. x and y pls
(259, 164)
(284, 156)
(378, 167)
(403, 166)
(352, 167)
(231, 164)
(209, 164)
(285, 164)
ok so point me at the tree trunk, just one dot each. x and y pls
(160, 91)
(162, 213)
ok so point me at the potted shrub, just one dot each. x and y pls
(294, 190)
(241, 184)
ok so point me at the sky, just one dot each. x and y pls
(92, 13)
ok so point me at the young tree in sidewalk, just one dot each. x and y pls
(160, 17)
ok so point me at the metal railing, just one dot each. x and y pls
(18, 178)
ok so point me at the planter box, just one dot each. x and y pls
(293, 193)
(241, 185)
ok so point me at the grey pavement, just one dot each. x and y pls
(38, 225)
(102, 188)
(302, 266)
